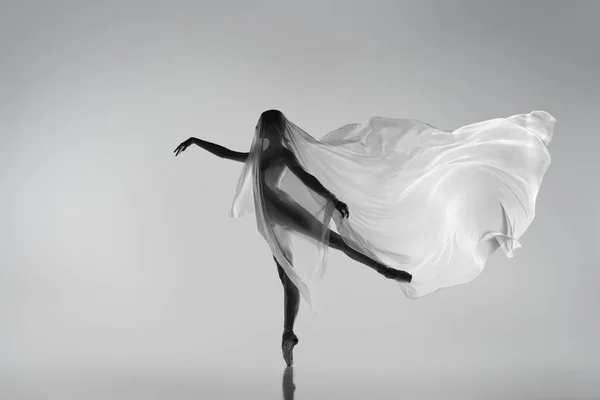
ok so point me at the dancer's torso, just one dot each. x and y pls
(277, 200)
(271, 169)
(280, 206)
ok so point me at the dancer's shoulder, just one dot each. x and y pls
(288, 156)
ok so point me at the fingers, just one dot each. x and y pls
(343, 209)
(179, 149)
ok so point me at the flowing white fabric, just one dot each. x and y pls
(423, 200)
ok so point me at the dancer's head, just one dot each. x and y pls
(271, 126)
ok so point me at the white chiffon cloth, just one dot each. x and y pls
(421, 199)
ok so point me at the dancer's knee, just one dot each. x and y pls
(336, 242)
(291, 291)
(289, 286)
(281, 272)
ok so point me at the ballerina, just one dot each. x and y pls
(428, 206)
(286, 214)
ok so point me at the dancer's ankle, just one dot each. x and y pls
(287, 331)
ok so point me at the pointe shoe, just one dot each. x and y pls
(288, 341)
(398, 275)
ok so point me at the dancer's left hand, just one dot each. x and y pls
(342, 208)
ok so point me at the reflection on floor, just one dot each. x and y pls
(120, 383)
(287, 383)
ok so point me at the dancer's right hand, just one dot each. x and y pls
(184, 145)
(342, 208)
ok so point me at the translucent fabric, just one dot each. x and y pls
(302, 257)
(436, 204)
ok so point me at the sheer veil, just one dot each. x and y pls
(302, 258)
(421, 199)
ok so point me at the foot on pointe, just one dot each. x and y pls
(288, 341)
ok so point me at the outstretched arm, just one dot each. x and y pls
(312, 182)
(213, 148)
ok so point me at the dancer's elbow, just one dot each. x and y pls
(237, 156)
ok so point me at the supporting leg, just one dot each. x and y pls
(291, 299)
(291, 307)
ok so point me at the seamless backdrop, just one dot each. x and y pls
(119, 259)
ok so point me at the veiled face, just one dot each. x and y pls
(271, 126)
(273, 134)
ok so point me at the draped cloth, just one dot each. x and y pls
(421, 199)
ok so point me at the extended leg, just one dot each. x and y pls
(336, 241)
(297, 218)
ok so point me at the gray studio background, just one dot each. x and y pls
(119, 261)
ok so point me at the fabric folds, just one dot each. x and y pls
(433, 203)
